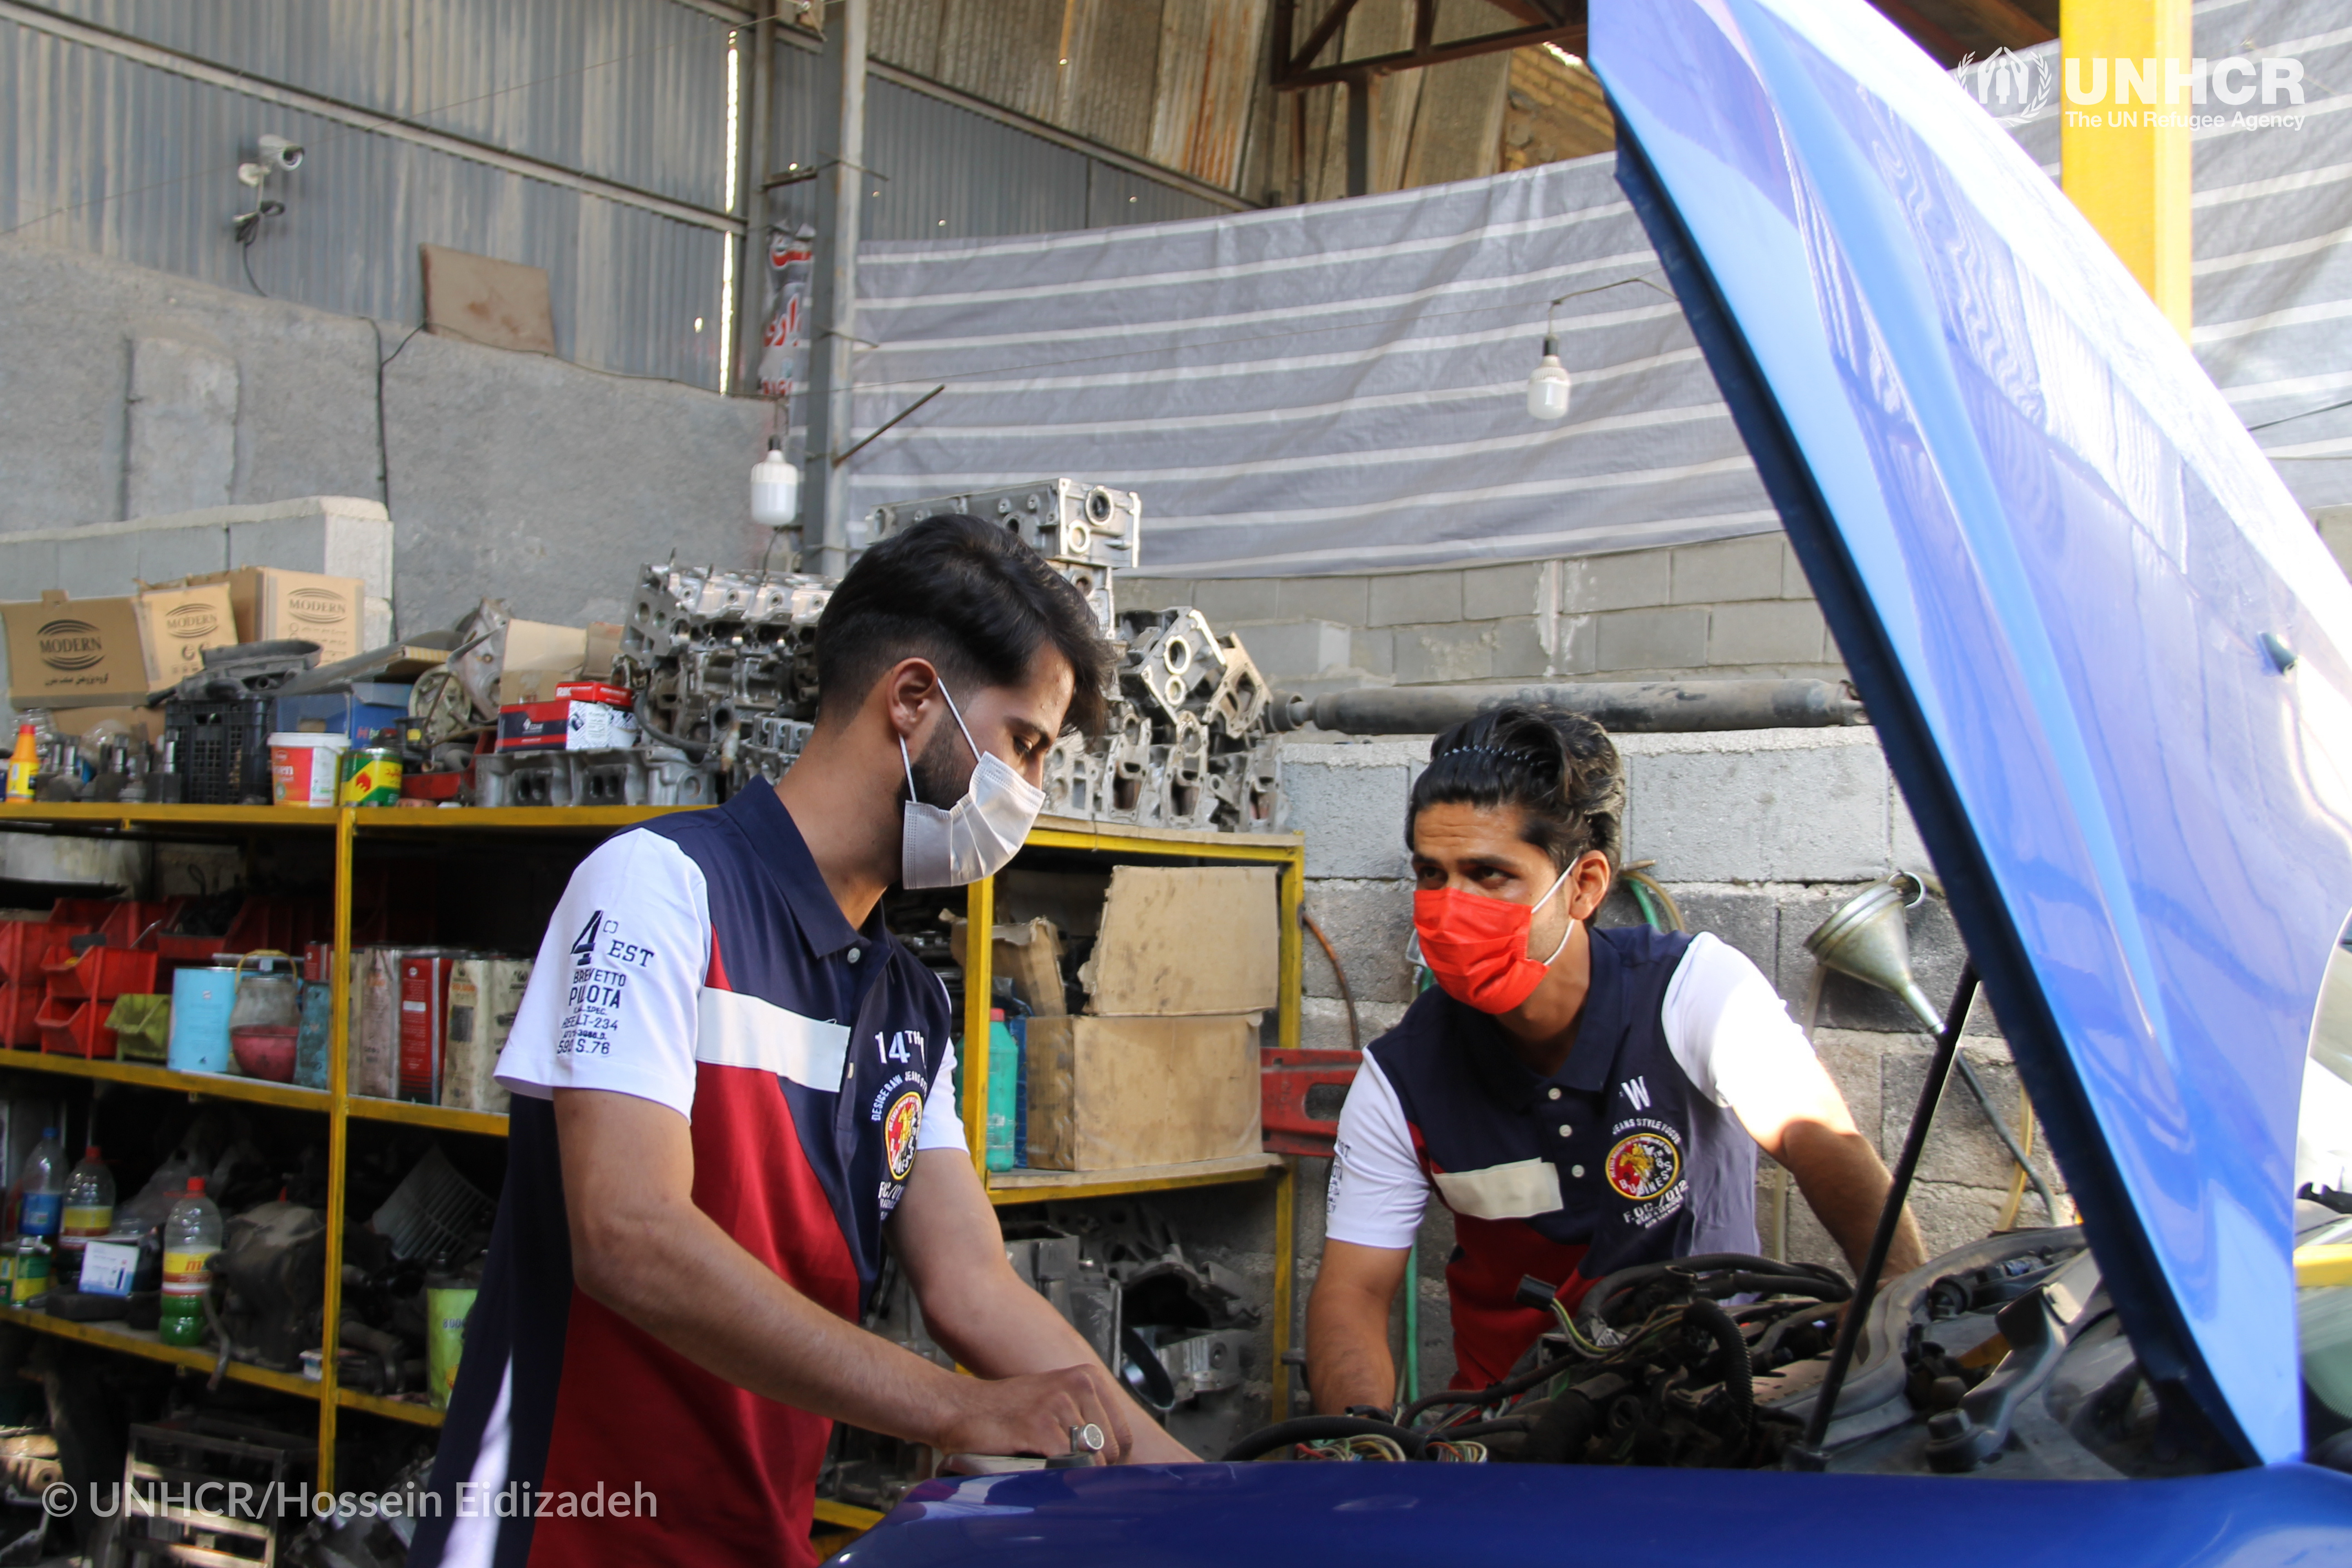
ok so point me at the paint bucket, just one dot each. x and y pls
(304, 768)
(201, 1000)
(372, 777)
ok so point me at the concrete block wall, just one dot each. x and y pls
(1759, 836)
(1730, 607)
(126, 393)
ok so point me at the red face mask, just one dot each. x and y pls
(1477, 947)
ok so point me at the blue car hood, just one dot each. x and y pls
(2050, 554)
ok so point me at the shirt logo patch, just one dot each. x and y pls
(1643, 1165)
(906, 1114)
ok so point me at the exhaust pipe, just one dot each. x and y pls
(1625, 707)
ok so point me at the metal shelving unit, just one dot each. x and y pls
(347, 827)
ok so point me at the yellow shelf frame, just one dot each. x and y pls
(1286, 852)
(144, 1343)
(348, 826)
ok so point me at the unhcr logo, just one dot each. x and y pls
(2126, 93)
(69, 646)
(2013, 86)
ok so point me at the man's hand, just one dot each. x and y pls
(1034, 1412)
(1047, 1379)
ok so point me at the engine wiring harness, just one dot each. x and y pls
(1657, 1364)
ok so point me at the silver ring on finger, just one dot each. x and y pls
(1086, 1439)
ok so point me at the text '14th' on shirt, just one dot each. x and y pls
(1629, 1154)
(700, 963)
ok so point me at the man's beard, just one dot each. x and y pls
(938, 780)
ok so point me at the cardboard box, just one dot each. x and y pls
(1029, 954)
(1110, 1094)
(80, 653)
(177, 625)
(542, 645)
(604, 646)
(1185, 940)
(565, 726)
(272, 603)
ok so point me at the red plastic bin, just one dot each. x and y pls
(263, 921)
(99, 973)
(24, 943)
(76, 1028)
(20, 1006)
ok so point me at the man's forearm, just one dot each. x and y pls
(1845, 1181)
(1347, 1361)
(1005, 1329)
(690, 1285)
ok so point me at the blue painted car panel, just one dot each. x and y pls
(1365, 1515)
(2050, 552)
(2060, 550)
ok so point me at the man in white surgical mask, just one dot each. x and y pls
(731, 1083)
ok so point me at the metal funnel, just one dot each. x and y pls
(1867, 940)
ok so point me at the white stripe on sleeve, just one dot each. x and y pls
(1378, 1189)
(1726, 1028)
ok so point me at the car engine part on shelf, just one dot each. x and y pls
(723, 668)
(657, 775)
(1187, 743)
(710, 652)
(1086, 530)
(270, 1262)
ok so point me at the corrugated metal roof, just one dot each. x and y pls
(106, 155)
(947, 173)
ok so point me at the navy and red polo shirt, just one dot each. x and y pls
(1631, 1154)
(698, 962)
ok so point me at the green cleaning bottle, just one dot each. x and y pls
(192, 1237)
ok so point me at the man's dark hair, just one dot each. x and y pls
(973, 600)
(1561, 770)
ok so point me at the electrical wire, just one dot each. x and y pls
(244, 256)
(1355, 1037)
(2017, 1178)
(383, 439)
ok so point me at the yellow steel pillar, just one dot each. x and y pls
(2130, 90)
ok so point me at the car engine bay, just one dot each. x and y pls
(2004, 1355)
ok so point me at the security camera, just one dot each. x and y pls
(284, 154)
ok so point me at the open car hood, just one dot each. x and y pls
(2050, 554)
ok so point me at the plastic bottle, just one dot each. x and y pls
(1003, 1089)
(88, 1214)
(23, 763)
(192, 1237)
(41, 1208)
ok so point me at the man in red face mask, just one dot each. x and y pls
(1583, 1100)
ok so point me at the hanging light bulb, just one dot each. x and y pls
(775, 489)
(1548, 387)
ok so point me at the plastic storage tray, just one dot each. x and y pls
(99, 974)
(76, 1028)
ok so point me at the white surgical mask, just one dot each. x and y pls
(977, 836)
